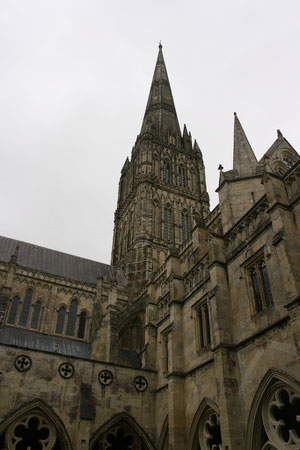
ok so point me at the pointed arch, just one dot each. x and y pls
(163, 443)
(40, 409)
(121, 419)
(205, 405)
(273, 378)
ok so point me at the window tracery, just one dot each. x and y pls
(210, 431)
(281, 419)
(119, 436)
(31, 431)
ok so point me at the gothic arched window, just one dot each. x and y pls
(81, 325)
(36, 315)
(181, 176)
(184, 226)
(166, 172)
(260, 285)
(72, 317)
(25, 308)
(60, 320)
(13, 310)
(167, 224)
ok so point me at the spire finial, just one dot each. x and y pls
(160, 45)
(279, 134)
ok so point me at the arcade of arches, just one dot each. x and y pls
(275, 425)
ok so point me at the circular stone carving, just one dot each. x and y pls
(105, 377)
(140, 383)
(30, 431)
(66, 370)
(280, 414)
(22, 363)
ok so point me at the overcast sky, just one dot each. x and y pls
(74, 81)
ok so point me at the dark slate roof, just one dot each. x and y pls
(129, 358)
(57, 263)
(38, 341)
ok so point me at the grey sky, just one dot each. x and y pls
(74, 81)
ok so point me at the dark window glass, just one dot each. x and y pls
(60, 320)
(207, 325)
(266, 285)
(72, 318)
(25, 308)
(81, 325)
(166, 172)
(36, 315)
(13, 310)
(181, 176)
(200, 318)
(167, 224)
(184, 226)
(255, 286)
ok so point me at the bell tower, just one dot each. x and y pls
(162, 188)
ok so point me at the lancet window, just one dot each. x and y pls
(61, 314)
(166, 172)
(203, 326)
(13, 310)
(167, 224)
(35, 319)
(25, 308)
(181, 176)
(72, 316)
(184, 226)
(71, 323)
(260, 285)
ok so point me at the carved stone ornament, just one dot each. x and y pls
(30, 431)
(22, 363)
(66, 370)
(140, 383)
(281, 419)
(105, 377)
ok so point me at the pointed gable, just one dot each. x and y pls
(160, 116)
(244, 159)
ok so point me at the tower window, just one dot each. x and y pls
(167, 224)
(260, 285)
(184, 226)
(203, 326)
(166, 172)
(181, 176)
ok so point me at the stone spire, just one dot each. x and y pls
(244, 160)
(160, 117)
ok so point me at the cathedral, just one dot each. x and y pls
(190, 339)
